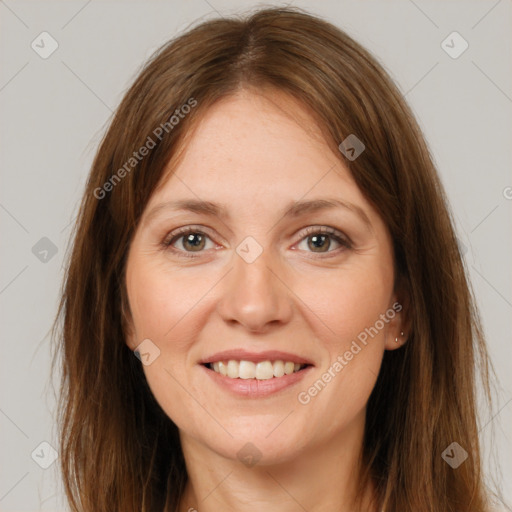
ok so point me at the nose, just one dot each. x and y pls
(255, 294)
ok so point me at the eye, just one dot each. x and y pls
(318, 239)
(192, 240)
(189, 240)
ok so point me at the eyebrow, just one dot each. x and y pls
(294, 209)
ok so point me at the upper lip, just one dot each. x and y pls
(255, 357)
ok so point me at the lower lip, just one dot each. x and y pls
(253, 388)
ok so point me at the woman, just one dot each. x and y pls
(263, 227)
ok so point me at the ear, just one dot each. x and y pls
(399, 326)
(127, 322)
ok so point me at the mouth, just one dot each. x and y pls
(247, 374)
(261, 377)
(250, 370)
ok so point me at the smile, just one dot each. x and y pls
(263, 370)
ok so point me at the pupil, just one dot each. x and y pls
(318, 241)
(190, 240)
(316, 238)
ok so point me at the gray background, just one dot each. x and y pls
(54, 112)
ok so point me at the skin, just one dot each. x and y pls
(257, 152)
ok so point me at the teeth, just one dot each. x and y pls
(233, 369)
(246, 369)
(223, 370)
(263, 370)
(278, 368)
(288, 367)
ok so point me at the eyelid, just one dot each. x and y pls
(191, 228)
(327, 230)
(343, 239)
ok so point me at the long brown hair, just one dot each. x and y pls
(119, 450)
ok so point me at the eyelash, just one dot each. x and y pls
(326, 230)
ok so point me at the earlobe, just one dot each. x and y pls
(129, 343)
(127, 322)
(397, 342)
(129, 338)
(399, 327)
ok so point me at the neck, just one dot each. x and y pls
(318, 478)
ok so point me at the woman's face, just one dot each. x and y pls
(268, 276)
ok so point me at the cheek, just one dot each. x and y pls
(162, 304)
(346, 302)
(161, 299)
(346, 307)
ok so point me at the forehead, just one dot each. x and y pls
(257, 145)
